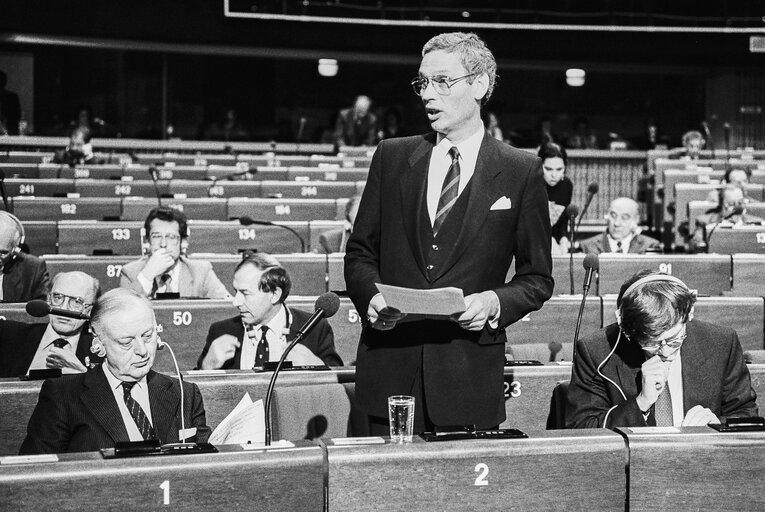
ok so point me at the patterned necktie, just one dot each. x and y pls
(261, 353)
(449, 190)
(662, 409)
(140, 418)
(619, 246)
(163, 280)
(60, 343)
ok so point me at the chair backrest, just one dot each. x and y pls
(557, 417)
(754, 356)
(311, 412)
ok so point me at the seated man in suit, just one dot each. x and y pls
(265, 325)
(622, 233)
(63, 342)
(122, 399)
(334, 240)
(656, 365)
(730, 212)
(23, 277)
(166, 269)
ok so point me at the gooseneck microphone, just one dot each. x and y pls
(326, 306)
(246, 220)
(708, 135)
(153, 174)
(591, 264)
(592, 189)
(737, 210)
(572, 211)
(39, 308)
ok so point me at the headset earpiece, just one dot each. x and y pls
(618, 315)
(184, 246)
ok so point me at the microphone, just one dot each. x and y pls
(301, 128)
(4, 192)
(326, 306)
(708, 135)
(39, 308)
(554, 347)
(737, 210)
(591, 264)
(153, 174)
(572, 211)
(592, 189)
(726, 132)
(246, 220)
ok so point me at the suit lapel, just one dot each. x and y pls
(12, 283)
(186, 282)
(605, 246)
(99, 400)
(237, 331)
(413, 183)
(482, 194)
(164, 405)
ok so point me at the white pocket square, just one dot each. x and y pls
(503, 203)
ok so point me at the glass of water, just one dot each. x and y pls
(401, 418)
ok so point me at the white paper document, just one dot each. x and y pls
(245, 424)
(437, 302)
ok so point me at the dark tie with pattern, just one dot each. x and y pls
(60, 343)
(140, 418)
(662, 409)
(261, 353)
(449, 190)
(619, 246)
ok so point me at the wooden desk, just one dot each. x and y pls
(696, 469)
(744, 239)
(107, 188)
(562, 277)
(710, 274)
(556, 470)
(309, 189)
(287, 209)
(748, 275)
(326, 174)
(233, 479)
(207, 208)
(41, 236)
(223, 188)
(38, 187)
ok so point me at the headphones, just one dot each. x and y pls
(618, 313)
(20, 229)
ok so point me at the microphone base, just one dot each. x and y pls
(504, 433)
(152, 447)
(179, 448)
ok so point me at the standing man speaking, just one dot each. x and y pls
(450, 208)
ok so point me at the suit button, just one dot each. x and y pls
(434, 247)
(429, 267)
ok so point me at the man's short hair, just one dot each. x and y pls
(745, 170)
(691, 135)
(115, 301)
(95, 286)
(654, 307)
(274, 275)
(473, 52)
(552, 150)
(84, 131)
(167, 214)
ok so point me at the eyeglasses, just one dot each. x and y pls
(442, 84)
(170, 238)
(673, 343)
(75, 303)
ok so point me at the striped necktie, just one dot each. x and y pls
(140, 418)
(60, 343)
(449, 190)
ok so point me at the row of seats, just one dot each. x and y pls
(86, 187)
(327, 172)
(186, 322)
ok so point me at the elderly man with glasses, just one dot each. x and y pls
(451, 208)
(164, 267)
(657, 366)
(63, 342)
(122, 399)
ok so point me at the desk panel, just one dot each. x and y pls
(136, 208)
(67, 208)
(743, 314)
(123, 188)
(233, 238)
(744, 239)
(168, 172)
(223, 188)
(308, 189)
(286, 209)
(41, 236)
(16, 170)
(561, 275)
(278, 479)
(325, 174)
(517, 474)
(710, 274)
(748, 275)
(106, 269)
(91, 237)
(697, 469)
(25, 157)
(101, 172)
(39, 187)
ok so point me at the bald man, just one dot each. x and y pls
(356, 126)
(63, 342)
(622, 233)
(23, 277)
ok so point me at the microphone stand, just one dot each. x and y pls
(572, 232)
(271, 384)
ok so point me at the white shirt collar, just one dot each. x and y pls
(468, 148)
(114, 382)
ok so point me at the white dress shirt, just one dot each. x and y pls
(276, 337)
(140, 394)
(441, 160)
(171, 286)
(626, 241)
(46, 344)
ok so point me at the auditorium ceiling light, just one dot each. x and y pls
(328, 67)
(575, 77)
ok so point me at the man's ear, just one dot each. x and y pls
(480, 86)
(276, 295)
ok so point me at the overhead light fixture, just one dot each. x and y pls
(575, 77)
(328, 67)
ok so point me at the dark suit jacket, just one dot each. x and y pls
(714, 376)
(25, 279)
(78, 413)
(352, 132)
(639, 244)
(462, 370)
(19, 342)
(321, 340)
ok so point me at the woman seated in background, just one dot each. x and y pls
(559, 192)
(736, 177)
